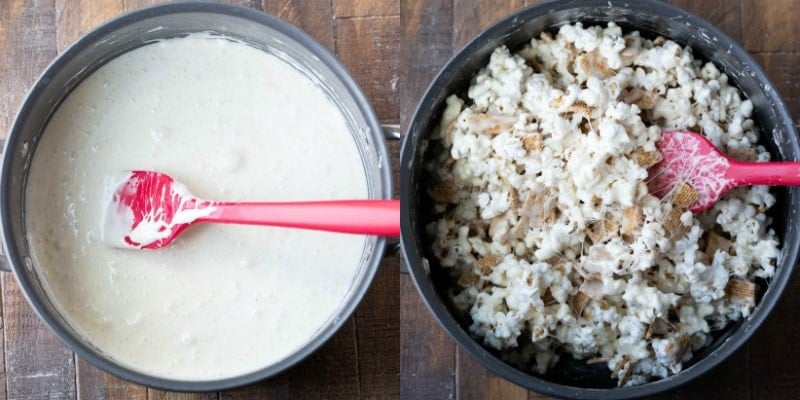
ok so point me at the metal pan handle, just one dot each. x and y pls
(5, 266)
(392, 132)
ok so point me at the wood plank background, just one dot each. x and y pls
(361, 361)
(432, 367)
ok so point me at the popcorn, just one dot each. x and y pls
(544, 218)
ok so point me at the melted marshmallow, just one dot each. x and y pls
(233, 123)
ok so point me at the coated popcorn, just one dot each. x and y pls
(545, 218)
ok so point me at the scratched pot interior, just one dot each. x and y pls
(651, 20)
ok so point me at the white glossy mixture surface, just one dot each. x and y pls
(232, 123)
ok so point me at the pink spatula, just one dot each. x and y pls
(149, 209)
(692, 158)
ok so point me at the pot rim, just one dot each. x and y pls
(383, 190)
(417, 264)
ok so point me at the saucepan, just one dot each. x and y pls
(572, 378)
(139, 28)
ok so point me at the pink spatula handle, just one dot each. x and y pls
(782, 173)
(369, 217)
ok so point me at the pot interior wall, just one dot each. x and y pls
(651, 19)
(170, 21)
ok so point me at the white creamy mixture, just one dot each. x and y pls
(232, 123)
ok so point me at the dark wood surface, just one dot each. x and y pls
(432, 367)
(360, 361)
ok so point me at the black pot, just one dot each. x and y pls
(136, 29)
(572, 378)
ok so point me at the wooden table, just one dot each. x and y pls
(431, 365)
(361, 361)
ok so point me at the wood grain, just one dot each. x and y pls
(427, 32)
(774, 349)
(783, 70)
(333, 371)
(38, 365)
(378, 334)
(472, 16)
(76, 17)
(363, 8)
(368, 48)
(28, 33)
(474, 382)
(315, 18)
(770, 25)
(154, 394)
(725, 15)
(427, 355)
(92, 383)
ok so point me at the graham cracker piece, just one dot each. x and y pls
(600, 231)
(641, 98)
(593, 287)
(540, 206)
(632, 218)
(676, 347)
(741, 291)
(468, 278)
(631, 95)
(659, 327)
(486, 264)
(449, 132)
(622, 371)
(646, 159)
(547, 297)
(500, 228)
(578, 303)
(672, 223)
(580, 107)
(445, 191)
(641, 190)
(630, 52)
(716, 242)
(534, 64)
(685, 300)
(495, 130)
(586, 126)
(648, 101)
(684, 195)
(513, 198)
(748, 154)
(489, 124)
(532, 142)
(594, 64)
(598, 253)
